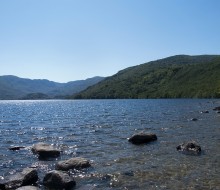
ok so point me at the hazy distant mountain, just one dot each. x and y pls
(12, 87)
(36, 96)
(180, 76)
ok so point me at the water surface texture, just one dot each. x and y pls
(98, 130)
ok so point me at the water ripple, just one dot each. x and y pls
(98, 130)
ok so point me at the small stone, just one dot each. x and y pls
(194, 119)
(205, 111)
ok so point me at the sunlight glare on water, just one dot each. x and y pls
(98, 130)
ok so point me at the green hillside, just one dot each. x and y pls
(178, 76)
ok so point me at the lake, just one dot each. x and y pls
(99, 130)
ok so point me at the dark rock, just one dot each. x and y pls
(58, 180)
(2, 184)
(218, 111)
(45, 151)
(205, 111)
(73, 163)
(28, 188)
(16, 148)
(129, 173)
(27, 177)
(141, 138)
(189, 147)
(217, 108)
(194, 119)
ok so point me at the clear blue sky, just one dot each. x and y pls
(66, 40)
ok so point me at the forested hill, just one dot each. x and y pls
(180, 76)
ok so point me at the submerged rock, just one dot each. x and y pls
(28, 188)
(206, 111)
(58, 180)
(217, 108)
(190, 147)
(45, 151)
(28, 176)
(141, 138)
(16, 148)
(194, 119)
(73, 163)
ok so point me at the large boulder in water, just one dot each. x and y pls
(190, 147)
(73, 163)
(28, 176)
(141, 138)
(58, 180)
(45, 151)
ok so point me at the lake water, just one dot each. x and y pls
(98, 130)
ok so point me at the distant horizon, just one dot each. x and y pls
(99, 75)
(73, 40)
(48, 79)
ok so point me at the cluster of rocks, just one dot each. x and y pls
(60, 178)
(56, 179)
(217, 109)
(190, 147)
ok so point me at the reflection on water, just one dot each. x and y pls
(98, 130)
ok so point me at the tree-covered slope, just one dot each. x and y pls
(178, 76)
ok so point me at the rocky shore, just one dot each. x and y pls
(60, 178)
(55, 179)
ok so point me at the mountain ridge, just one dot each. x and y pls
(13, 87)
(179, 76)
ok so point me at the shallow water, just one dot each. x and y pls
(98, 130)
